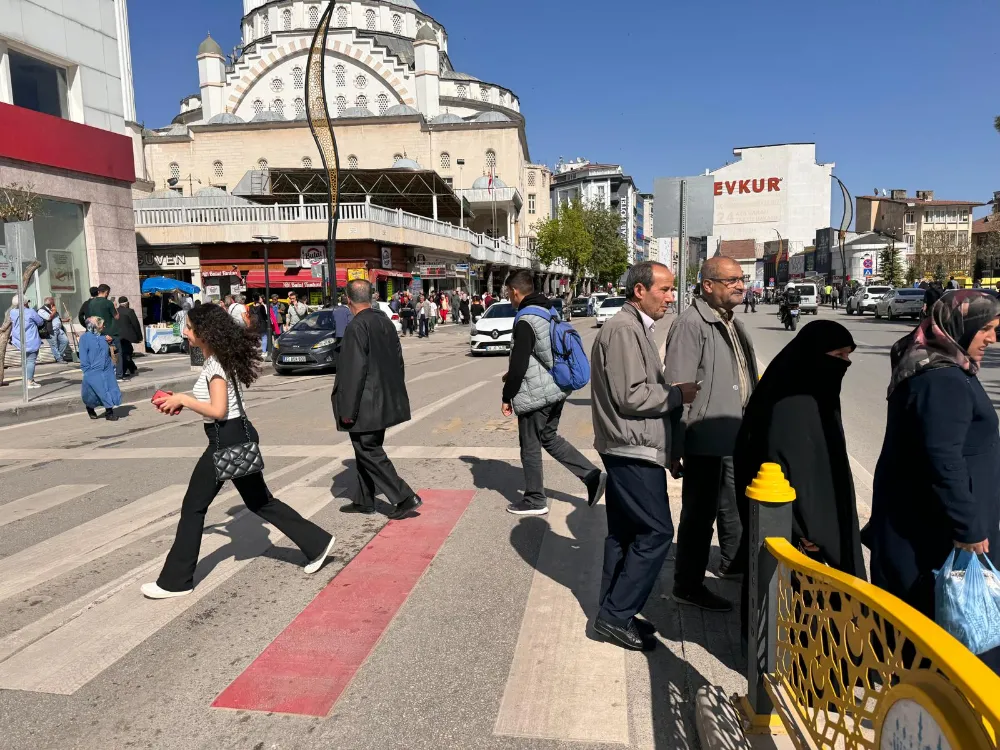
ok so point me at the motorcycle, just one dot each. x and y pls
(788, 314)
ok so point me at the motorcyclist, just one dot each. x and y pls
(787, 300)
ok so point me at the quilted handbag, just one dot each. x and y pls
(237, 460)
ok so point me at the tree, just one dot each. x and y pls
(609, 256)
(890, 266)
(584, 237)
(692, 275)
(942, 254)
(911, 274)
(18, 202)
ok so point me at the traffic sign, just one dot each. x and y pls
(867, 263)
(868, 270)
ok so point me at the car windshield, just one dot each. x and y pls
(612, 302)
(807, 289)
(877, 289)
(916, 293)
(581, 300)
(318, 321)
(500, 311)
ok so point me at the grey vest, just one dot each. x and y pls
(538, 389)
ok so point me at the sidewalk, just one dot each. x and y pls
(60, 391)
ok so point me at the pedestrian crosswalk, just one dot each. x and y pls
(48, 498)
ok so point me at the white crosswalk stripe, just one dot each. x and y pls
(50, 498)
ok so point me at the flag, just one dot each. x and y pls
(490, 186)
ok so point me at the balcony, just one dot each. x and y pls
(196, 223)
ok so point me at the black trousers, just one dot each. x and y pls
(540, 429)
(376, 474)
(407, 324)
(423, 332)
(119, 359)
(178, 570)
(640, 531)
(128, 362)
(709, 495)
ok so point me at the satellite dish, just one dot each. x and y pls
(172, 181)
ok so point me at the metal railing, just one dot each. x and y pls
(482, 247)
(839, 663)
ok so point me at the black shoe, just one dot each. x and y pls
(729, 571)
(645, 627)
(703, 599)
(595, 487)
(92, 413)
(627, 637)
(109, 415)
(406, 507)
(521, 508)
(366, 510)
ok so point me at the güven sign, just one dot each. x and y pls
(744, 187)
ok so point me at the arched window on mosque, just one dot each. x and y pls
(352, 162)
(370, 19)
(313, 16)
(341, 105)
(503, 99)
(531, 179)
(491, 161)
(217, 170)
(307, 163)
(300, 108)
(361, 101)
(383, 103)
(258, 106)
(397, 23)
(262, 164)
(342, 17)
(298, 79)
(286, 20)
(341, 75)
(278, 107)
(396, 157)
(445, 160)
(277, 84)
(484, 94)
(462, 91)
(265, 24)
(175, 170)
(360, 82)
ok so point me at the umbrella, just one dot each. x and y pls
(163, 284)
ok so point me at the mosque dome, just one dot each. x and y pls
(406, 164)
(426, 34)
(401, 109)
(209, 47)
(491, 116)
(162, 194)
(483, 183)
(357, 112)
(406, 4)
(211, 192)
(267, 116)
(175, 129)
(446, 118)
(226, 118)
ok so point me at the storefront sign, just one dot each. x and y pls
(8, 281)
(312, 255)
(217, 271)
(213, 291)
(746, 187)
(433, 272)
(62, 276)
(386, 257)
(461, 268)
(157, 261)
(237, 289)
(797, 266)
(357, 273)
(315, 298)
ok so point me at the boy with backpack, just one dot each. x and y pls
(546, 364)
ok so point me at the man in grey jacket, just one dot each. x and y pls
(635, 410)
(709, 345)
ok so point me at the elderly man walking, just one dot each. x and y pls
(709, 345)
(635, 409)
(369, 396)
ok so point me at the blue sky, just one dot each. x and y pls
(898, 94)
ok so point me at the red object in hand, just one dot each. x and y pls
(162, 395)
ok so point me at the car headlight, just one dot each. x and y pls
(329, 341)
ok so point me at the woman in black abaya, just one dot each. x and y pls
(793, 419)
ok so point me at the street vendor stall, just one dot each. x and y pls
(161, 336)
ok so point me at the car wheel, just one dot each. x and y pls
(878, 315)
(892, 315)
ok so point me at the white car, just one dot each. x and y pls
(394, 317)
(808, 301)
(899, 302)
(492, 331)
(865, 298)
(608, 309)
(595, 302)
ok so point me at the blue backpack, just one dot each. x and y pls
(570, 366)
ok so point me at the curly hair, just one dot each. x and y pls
(236, 348)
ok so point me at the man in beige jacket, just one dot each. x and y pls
(634, 411)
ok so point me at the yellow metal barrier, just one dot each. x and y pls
(853, 666)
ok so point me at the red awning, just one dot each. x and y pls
(284, 278)
(383, 273)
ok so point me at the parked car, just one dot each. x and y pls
(491, 331)
(899, 302)
(608, 309)
(808, 296)
(310, 344)
(581, 307)
(556, 305)
(865, 298)
(595, 301)
(394, 317)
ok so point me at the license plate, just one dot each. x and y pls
(293, 359)
(794, 313)
(495, 348)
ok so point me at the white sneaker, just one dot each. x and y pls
(33, 384)
(316, 564)
(152, 591)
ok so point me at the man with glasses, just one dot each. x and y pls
(709, 346)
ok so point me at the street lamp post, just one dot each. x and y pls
(264, 240)
(461, 198)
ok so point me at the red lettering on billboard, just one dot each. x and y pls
(730, 186)
(773, 185)
(718, 188)
(748, 186)
(744, 186)
(758, 186)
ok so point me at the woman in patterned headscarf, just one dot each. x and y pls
(937, 483)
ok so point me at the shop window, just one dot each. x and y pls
(341, 106)
(300, 108)
(397, 23)
(342, 17)
(340, 74)
(370, 19)
(352, 162)
(297, 77)
(383, 104)
(445, 160)
(38, 85)
(314, 16)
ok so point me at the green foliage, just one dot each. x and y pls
(939, 273)
(692, 275)
(890, 266)
(18, 202)
(584, 237)
(911, 274)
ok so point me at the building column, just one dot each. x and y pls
(125, 60)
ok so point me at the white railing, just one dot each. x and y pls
(483, 248)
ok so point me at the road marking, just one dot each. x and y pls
(428, 375)
(68, 658)
(50, 498)
(307, 668)
(562, 684)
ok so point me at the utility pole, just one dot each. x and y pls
(682, 254)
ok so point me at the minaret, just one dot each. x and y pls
(125, 59)
(427, 65)
(211, 78)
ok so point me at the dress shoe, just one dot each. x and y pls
(406, 507)
(596, 485)
(627, 637)
(92, 413)
(355, 508)
(703, 599)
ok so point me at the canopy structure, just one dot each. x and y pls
(163, 284)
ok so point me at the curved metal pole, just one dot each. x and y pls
(845, 222)
(318, 112)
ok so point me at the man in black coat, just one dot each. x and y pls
(131, 332)
(369, 396)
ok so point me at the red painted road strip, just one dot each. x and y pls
(307, 668)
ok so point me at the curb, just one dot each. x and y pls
(720, 726)
(71, 405)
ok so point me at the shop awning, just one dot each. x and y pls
(383, 273)
(285, 278)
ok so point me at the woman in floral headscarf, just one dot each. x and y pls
(937, 483)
